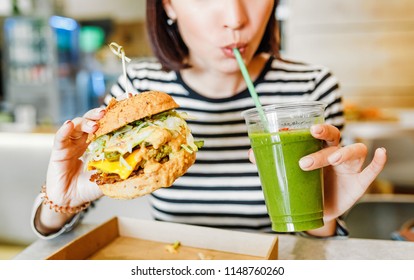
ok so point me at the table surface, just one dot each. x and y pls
(290, 248)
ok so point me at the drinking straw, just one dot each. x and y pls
(119, 52)
(250, 86)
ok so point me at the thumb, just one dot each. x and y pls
(369, 174)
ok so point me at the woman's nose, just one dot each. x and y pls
(235, 16)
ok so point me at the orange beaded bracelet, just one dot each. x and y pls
(62, 209)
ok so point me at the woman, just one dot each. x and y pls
(193, 42)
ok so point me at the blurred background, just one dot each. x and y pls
(55, 64)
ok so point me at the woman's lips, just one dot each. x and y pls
(228, 50)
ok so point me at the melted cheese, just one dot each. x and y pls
(123, 171)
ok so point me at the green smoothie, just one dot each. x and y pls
(293, 197)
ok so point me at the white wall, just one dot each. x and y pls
(367, 43)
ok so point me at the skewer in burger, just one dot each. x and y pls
(142, 144)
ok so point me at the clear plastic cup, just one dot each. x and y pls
(280, 137)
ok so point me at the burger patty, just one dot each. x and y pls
(104, 178)
(156, 156)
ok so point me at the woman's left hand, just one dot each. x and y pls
(345, 179)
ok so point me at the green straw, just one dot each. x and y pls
(250, 86)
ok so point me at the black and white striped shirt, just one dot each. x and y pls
(222, 189)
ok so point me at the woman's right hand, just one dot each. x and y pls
(67, 182)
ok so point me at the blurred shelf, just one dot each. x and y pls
(370, 130)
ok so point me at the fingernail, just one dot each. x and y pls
(91, 124)
(251, 156)
(316, 129)
(66, 122)
(306, 162)
(334, 158)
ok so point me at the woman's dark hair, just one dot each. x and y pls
(170, 49)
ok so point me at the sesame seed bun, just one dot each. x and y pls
(120, 113)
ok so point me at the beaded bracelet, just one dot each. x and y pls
(62, 209)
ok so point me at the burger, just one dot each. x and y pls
(142, 144)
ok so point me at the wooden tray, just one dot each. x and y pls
(131, 239)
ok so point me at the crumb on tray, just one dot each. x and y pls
(173, 248)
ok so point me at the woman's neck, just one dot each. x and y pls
(213, 84)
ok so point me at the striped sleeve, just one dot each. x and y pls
(327, 90)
